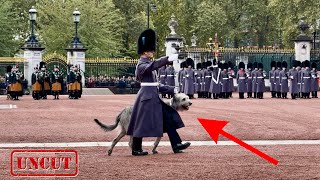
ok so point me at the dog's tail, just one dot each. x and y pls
(108, 127)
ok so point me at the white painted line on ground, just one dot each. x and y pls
(162, 143)
(7, 106)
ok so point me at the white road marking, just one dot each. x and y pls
(7, 106)
(162, 143)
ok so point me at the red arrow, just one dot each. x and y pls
(214, 128)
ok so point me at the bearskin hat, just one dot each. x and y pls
(198, 65)
(255, 65)
(225, 66)
(204, 65)
(241, 65)
(189, 62)
(306, 63)
(9, 69)
(220, 65)
(249, 65)
(147, 41)
(273, 64)
(209, 63)
(279, 64)
(230, 64)
(284, 64)
(314, 65)
(260, 66)
(298, 63)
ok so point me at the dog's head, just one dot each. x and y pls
(181, 102)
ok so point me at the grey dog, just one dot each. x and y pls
(179, 102)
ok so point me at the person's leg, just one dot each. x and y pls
(137, 147)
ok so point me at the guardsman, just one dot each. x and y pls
(78, 83)
(293, 76)
(277, 79)
(225, 81)
(254, 79)
(260, 76)
(300, 79)
(203, 83)
(241, 80)
(207, 80)
(215, 80)
(190, 79)
(36, 84)
(56, 81)
(71, 82)
(283, 77)
(45, 79)
(7, 79)
(15, 82)
(198, 75)
(170, 77)
(181, 77)
(272, 79)
(314, 80)
(162, 78)
(231, 76)
(249, 80)
(306, 80)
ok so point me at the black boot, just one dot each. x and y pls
(137, 147)
(316, 94)
(254, 95)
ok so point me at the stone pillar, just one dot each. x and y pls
(32, 58)
(76, 56)
(302, 43)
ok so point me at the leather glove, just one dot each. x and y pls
(173, 57)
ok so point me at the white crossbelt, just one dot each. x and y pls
(162, 75)
(225, 78)
(149, 84)
(277, 77)
(250, 77)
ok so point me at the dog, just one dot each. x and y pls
(179, 102)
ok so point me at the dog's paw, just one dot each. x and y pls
(109, 152)
(155, 152)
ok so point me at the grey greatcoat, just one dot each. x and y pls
(254, 81)
(241, 80)
(149, 111)
(170, 73)
(283, 78)
(198, 75)
(306, 81)
(249, 81)
(181, 80)
(231, 76)
(202, 81)
(293, 76)
(272, 80)
(162, 75)
(300, 80)
(277, 80)
(189, 82)
(207, 80)
(225, 81)
(259, 78)
(216, 79)
(314, 81)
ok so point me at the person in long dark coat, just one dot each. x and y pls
(7, 79)
(151, 117)
(306, 80)
(241, 80)
(249, 80)
(314, 80)
(232, 75)
(225, 81)
(216, 79)
(190, 79)
(293, 76)
(170, 78)
(198, 74)
(162, 78)
(272, 79)
(181, 77)
(254, 79)
(260, 76)
(300, 78)
(207, 80)
(283, 77)
(277, 79)
(220, 65)
(203, 83)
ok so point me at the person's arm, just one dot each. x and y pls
(147, 68)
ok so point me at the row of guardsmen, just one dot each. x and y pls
(216, 80)
(45, 82)
(13, 80)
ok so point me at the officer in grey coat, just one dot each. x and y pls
(272, 79)
(225, 81)
(249, 80)
(231, 76)
(241, 80)
(298, 67)
(254, 79)
(314, 80)
(207, 80)
(283, 77)
(198, 74)
(203, 84)
(151, 117)
(181, 77)
(306, 80)
(162, 78)
(170, 77)
(260, 76)
(293, 76)
(190, 79)
(277, 79)
(216, 79)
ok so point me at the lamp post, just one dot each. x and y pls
(76, 19)
(153, 7)
(32, 41)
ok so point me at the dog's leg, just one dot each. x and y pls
(115, 141)
(156, 143)
(130, 142)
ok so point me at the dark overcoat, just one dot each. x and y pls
(162, 75)
(293, 76)
(283, 81)
(314, 81)
(181, 79)
(170, 75)
(272, 80)
(241, 81)
(198, 75)
(189, 82)
(225, 81)
(148, 111)
(249, 81)
(306, 80)
(207, 80)
(231, 76)
(277, 80)
(215, 80)
(259, 79)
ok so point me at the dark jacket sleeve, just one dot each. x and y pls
(166, 89)
(146, 68)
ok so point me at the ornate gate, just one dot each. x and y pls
(58, 60)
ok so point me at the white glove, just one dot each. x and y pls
(173, 57)
(175, 90)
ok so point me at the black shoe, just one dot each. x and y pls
(139, 153)
(180, 147)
